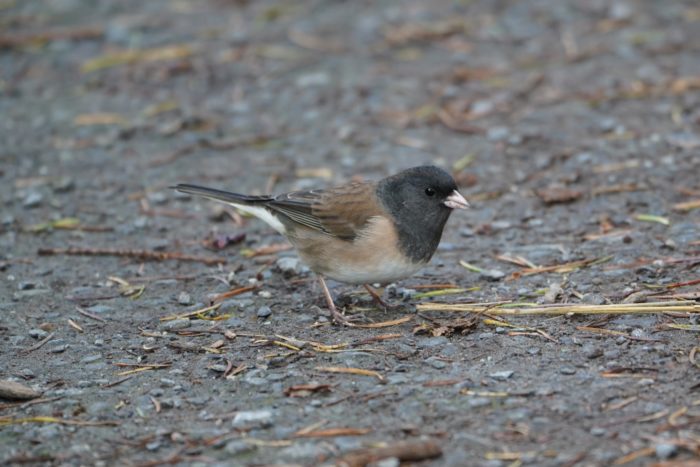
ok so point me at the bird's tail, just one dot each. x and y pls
(220, 195)
(254, 205)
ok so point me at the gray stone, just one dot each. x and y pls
(62, 184)
(90, 358)
(99, 309)
(264, 311)
(432, 342)
(591, 352)
(175, 324)
(435, 363)
(492, 274)
(59, 348)
(289, 265)
(387, 462)
(498, 133)
(300, 451)
(313, 79)
(29, 293)
(666, 450)
(26, 285)
(167, 382)
(153, 445)
(37, 333)
(238, 447)
(32, 200)
(253, 418)
(397, 379)
(184, 298)
(476, 402)
(502, 375)
(99, 408)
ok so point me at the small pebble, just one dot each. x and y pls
(502, 375)
(387, 462)
(219, 368)
(665, 450)
(492, 274)
(567, 370)
(153, 445)
(62, 185)
(99, 309)
(33, 200)
(476, 402)
(238, 447)
(257, 418)
(175, 324)
(59, 348)
(167, 383)
(264, 311)
(498, 133)
(288, 265)
(592, 352)
(38, 333)
(432, 342)
(184, 298)
(437, 364)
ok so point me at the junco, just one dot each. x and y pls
(358, 233)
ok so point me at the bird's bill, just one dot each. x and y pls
(456, 201)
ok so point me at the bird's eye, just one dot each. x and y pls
(430, 191)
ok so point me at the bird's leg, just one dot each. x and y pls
(338, 317)
(376, 297)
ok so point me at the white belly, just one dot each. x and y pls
(372, 257)
(385, 271)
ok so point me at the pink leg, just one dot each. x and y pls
(375, 296)
(337, 316)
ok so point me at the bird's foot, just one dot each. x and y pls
(376, 297)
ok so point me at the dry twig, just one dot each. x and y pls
(144, 255)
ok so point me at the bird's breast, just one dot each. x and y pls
(373, 256)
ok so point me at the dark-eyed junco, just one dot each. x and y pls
(358, 233)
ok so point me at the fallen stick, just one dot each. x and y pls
(145, 255)
(526, 310)
(40, 344)
(404, 451)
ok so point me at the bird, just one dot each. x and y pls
(358, 233)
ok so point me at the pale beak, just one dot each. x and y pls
(456, 201)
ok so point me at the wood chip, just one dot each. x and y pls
(17, 391)
(404, 451)
(556, 195)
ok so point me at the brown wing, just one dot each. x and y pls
(339, 211)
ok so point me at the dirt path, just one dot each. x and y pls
(573, 128)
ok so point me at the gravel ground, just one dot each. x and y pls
(572, 127)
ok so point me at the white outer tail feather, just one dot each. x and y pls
(262, 214)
